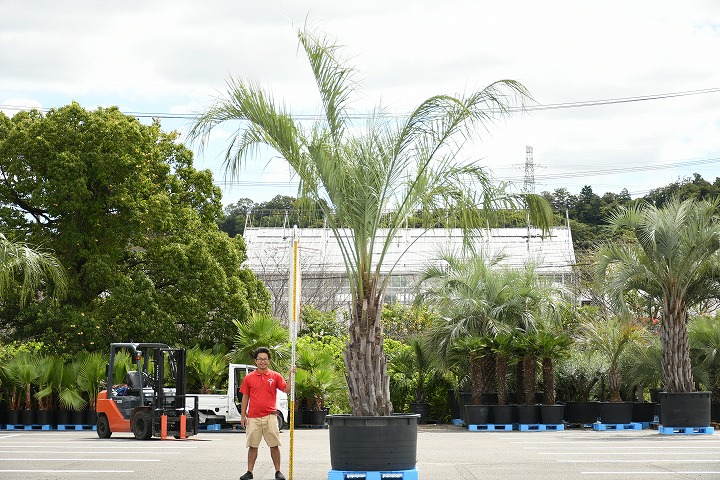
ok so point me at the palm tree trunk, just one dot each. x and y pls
(614, 383)
(501, 376)
(529, 379)
(677, 372)
(548, 381)
(367, 378)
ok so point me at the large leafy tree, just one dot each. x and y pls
(133, 223)
(369, 181)
(673, 260)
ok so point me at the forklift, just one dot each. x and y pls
(151, 401)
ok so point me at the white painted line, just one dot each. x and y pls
(74, 452)
(77, 460)
(677, 472)
(67, 471)
(610, 453)
(646, 460)
(85, 445)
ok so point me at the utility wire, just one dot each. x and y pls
(361, 116)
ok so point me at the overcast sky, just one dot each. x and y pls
(172, 57)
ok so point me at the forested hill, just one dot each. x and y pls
(587, 210)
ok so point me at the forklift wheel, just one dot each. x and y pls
(103, 427)
(142, 425)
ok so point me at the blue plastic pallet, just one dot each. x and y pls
(538, 427)
(210, 427)
(617, 426)
(28, 427)
(76, 427)
(490, 428)
(686, 430)
(397, 475)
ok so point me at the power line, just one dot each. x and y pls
(361, 116)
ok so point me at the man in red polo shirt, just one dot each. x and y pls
(259, 389)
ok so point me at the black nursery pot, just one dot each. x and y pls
(373, 444)
(614, 413)
(581, 412)
(685, 409)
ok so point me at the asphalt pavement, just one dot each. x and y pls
(444, 452)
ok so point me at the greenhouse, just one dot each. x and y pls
(324, 283)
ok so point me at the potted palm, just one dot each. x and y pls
(91, 378)
(316, 379)
(367, 183)
(612, 336)
(673, 260)
(551, 345)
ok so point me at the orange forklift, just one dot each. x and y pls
(152, 399)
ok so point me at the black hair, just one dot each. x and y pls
(260, 350)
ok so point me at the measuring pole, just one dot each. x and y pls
(294, 313)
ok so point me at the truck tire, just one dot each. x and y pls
(280, 420)
(142, 425)
(103, 426)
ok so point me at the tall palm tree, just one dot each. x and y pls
(673, 259)
(25, 268)
(369, 181)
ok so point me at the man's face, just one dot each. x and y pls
(262, 361)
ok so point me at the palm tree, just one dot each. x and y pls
(25, 268)
(673, 259)
(206, 368)
(612, 336)
(704, 340)
(368, 182)
(261, 330)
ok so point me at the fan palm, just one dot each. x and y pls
(206, 368)
(25, 268)
(369, 181)
(260, 330)
(611, 336)
(673, 259)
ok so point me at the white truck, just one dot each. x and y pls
(225, 408)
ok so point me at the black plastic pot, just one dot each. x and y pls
(552, 414)
(527, 414)
(373, 444)
(581, 412)
(685, 409)
(477, 414)
(27, 417)
(314, 417)
(615, 413)
(13, 417)
(715, 412)
(643, 412)
(458, 402)
(45, 417)
(502, 414)
(422, 409)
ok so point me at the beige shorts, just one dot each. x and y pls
(262, 427)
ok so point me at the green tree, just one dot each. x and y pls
(369, 182)
(134, 225)
(674, 260)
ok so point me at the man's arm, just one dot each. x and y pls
(243, 410)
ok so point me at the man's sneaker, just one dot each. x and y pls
(248, 476)
(279, 475)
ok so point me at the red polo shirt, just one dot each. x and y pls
(261, 388)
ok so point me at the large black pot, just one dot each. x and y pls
(643, 412)
(13, 417)
(457, 403)
(615, 413)
(63, 417)
(502, 414)
(45, 417)
(527, 414)
(477, 414)
(685, 409)
(422, 409)
(552, 414)
(373, 444)
(27, 417)
(581, 412)
(715, 412)
(314, 417)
